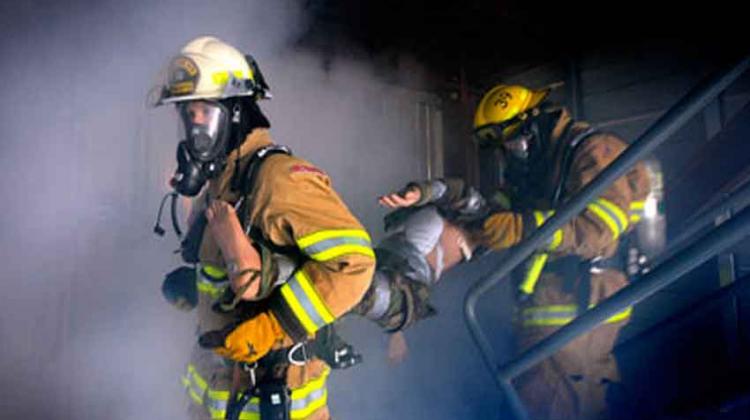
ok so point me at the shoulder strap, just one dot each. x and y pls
(254, 164)
(571, 146)
(249, 177)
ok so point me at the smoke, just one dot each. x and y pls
(84, 332)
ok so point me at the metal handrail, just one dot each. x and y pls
(717, 240)
(661, 130)
(732, 203)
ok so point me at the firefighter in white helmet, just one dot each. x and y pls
(278, 255)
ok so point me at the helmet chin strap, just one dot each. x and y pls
(237, 131)
(245, 117)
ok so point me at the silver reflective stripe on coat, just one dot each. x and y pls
(313, 396)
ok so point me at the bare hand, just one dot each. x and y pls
(396, 200)
(220, 212)
(236, 248)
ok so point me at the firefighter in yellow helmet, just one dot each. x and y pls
(278, 256)
(547, 158)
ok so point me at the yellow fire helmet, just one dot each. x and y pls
(502, 110)
(209, 68)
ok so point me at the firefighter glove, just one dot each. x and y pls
(245, 341)
(502, 230)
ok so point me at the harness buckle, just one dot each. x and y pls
(292, 351)
(250, 369)
(594, 267)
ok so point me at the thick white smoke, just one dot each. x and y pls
(84, 332)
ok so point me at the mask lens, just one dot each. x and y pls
(202, 140)
(518, 146)
(204, 124)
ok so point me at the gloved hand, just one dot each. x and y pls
(245, 341)
(179, 288)
(502, 230)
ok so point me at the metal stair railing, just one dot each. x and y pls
(725, 235)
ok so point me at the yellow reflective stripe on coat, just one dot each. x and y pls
(637, 209)
(213, 290)
(305, 399)
(214, 272)
(212, 281)
(216, 404)
(557, 237)
(329, 244)
(558, 315)
(539, 217)
(305, 303)
(310, 397)
(621, 316)
(611, 215)
(194, 384)
(534, 271)
(539, 260)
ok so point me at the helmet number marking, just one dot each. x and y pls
(503, 99)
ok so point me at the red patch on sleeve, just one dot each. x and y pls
(306, 169)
